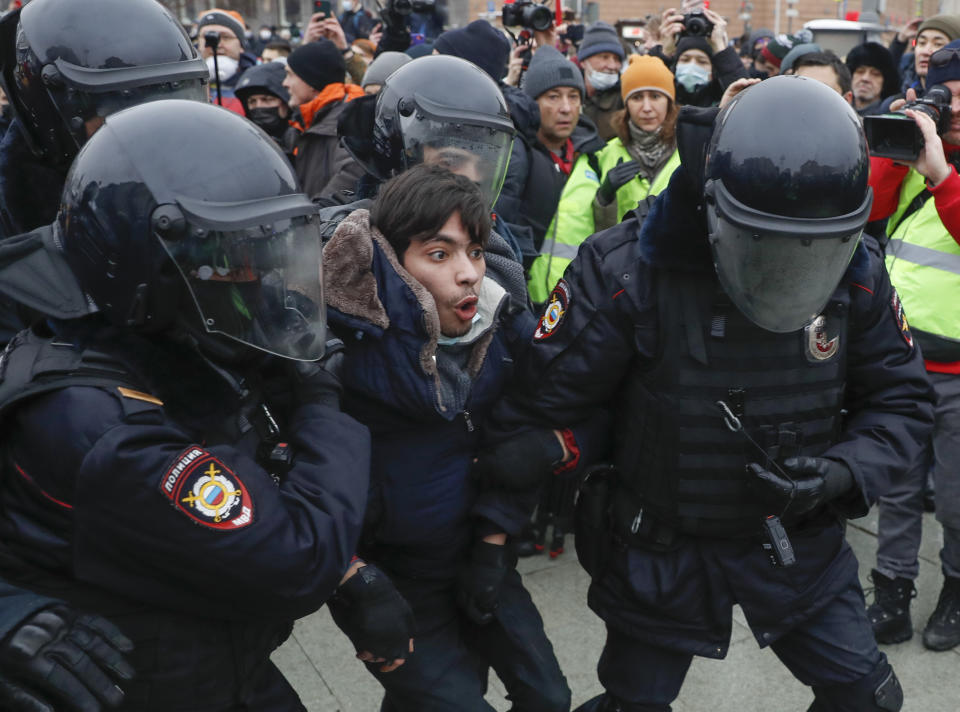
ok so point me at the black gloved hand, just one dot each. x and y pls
(480, 579)
(816, 480)
(59, 659)
(373, 614)
(615, 179)
(319, 381)
(521, 463)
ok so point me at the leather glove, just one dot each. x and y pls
(521, 463)
(815, 481)
(373, 614)
(615, 179)
(480, 579)
(59, 659)
(319, 381)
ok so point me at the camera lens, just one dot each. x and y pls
(539, 17)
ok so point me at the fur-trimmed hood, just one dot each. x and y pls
(389, 320)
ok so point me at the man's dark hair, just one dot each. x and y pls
(413, 206)
(827, 59)
(282, 46)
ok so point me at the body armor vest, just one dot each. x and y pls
(192, 663)
(680, 463)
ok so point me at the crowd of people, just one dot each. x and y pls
(356, 318)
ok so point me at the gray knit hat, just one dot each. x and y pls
(549, 69)
(383, 66)
(600, 37)
(947, 24)
(219, 17)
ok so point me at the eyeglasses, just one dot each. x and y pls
(942, 56)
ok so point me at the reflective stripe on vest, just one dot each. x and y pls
(923, 260)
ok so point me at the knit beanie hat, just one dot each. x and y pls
(480, 43)
(796, 53)
(874, 54)
(777, 48)
(383, 66)
(700, 43)
(219, 17)
(947, 24)
(549, 69)
(947, 72)
(318, 63)
(646, 72)
(600, 37)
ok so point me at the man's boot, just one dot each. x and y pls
(890, 612)
(943, 628)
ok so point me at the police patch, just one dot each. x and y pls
(554, 312)
(901, 318)
(819, 346)
(207, 491)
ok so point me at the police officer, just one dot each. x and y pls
(64, 67)
(203, 493)
(763, 386)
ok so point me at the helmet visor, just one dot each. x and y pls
(259, 284)
(780, 272)
(475, 146)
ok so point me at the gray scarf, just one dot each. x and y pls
(648, 148)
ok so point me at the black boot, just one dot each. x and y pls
(890, 613)
(943, 628)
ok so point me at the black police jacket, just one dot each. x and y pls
(146, 502)
(602, 321)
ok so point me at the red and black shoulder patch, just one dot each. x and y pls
(553, 313)
(207, 491)
(896, 306)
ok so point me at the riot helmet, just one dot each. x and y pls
(786, 198)
(178, 214)
(442, 110)
(66, 65)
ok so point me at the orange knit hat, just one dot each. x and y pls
(646, 72)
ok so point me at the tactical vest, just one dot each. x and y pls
(924, 264)
(683, 468)
(191, 663)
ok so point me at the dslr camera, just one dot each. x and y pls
(529, 14)
(696, 24)
(897, 136)
(405, 7)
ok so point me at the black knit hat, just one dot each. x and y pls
(217, 17)
(480, 43)
(940, 73)
(700, 43)
(318, 63)
(874, 54)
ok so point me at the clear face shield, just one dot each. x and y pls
(779, 271)
(473, 145)
(254, 271)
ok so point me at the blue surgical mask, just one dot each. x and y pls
(692, 76)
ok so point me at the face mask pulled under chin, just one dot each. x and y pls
(601, 81)
(227, 67)
(692, 76)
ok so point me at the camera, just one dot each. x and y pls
(212, 40)
(897, 136)
(526, 13)
(405, 7)
(573, 34)
(696, 24)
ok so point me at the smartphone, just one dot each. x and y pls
(324, 6)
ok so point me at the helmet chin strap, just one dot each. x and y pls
(218, 349)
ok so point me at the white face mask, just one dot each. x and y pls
(347, 5)
(691, 76)
(601, 81)
(265, 35)
(227, 66)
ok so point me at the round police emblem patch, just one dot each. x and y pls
(207, 491)
(819, 346)
(554, 312)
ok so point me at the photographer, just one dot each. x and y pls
(322, 27)
(923, 255)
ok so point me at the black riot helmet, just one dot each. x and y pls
(787, 198)
(444, 110)
(65, 65)
(180, 214)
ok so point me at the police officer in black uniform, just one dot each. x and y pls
(764, 385)
(161, 466)
(65, 66)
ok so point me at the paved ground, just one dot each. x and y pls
(319, 660)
